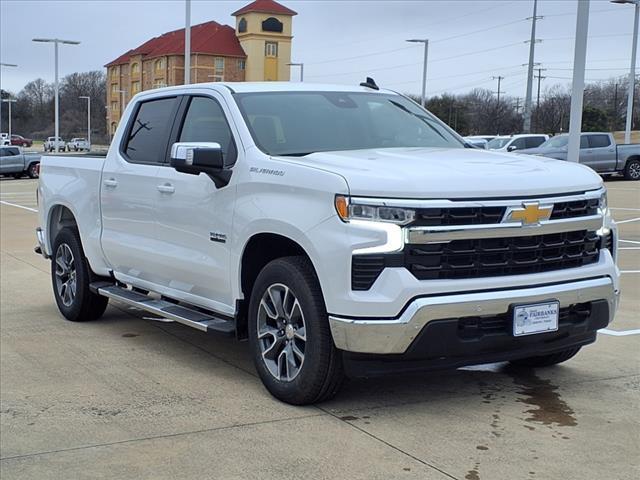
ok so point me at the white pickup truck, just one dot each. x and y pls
(343, 231)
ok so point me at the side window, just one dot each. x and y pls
(14, 151)
(148, 134)
(3, 152)
(205, 122)
(518, 143)
(599, 141)
(533, 142)
(584, 142)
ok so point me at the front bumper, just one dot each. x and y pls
(396, 335)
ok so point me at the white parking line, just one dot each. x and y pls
(628, 248)
(18, 206)
(627, 221)
(626, 209)
(629, 271)
(620, 333)
(629, 241)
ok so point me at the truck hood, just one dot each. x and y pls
(452, 173)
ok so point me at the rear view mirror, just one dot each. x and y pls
(200, 157)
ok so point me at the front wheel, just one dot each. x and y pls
(71, 277)
(289, 334)
(632, 170)
(547, 360)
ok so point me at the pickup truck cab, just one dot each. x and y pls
(341, 230)
(516, 142)
(78, 144)
(51, 143)
(16, 163)
(598, 150)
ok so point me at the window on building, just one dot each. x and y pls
(272, 24)
(114, 88)
(159, 84)
(114, 125)
(271, 49)
(242, 26)
(218, 65)
(149, 132)
(205, 122)
(114, 106)
(135, 68)
(242, 64)
(114, 72)
(135, 87)
(216, 78)
(159, 64)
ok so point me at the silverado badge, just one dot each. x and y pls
(529, 214)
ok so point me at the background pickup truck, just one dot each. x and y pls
(598, 151)
(343, 231)
(51, 142)
(14, 162)
(78, 144)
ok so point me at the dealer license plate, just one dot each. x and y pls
(536, 318)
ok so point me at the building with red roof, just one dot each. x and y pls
(257, 49)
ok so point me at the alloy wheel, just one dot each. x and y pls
(281, 332)
(65, 275)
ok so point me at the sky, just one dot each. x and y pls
(340, 42)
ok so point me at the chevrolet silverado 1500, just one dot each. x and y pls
(342, 231)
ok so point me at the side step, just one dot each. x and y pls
(178, 313)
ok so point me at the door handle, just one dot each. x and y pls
(166, 188)
(110, 182)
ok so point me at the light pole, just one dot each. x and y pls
(2, 64)
(301, 65)
(88, 99)
(577, 86)
(9, 101)
(122, 94)
(632, 70)
(423, 98)
(187, 42)
(56, 42)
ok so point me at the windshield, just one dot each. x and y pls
(498, 143)
(555, 142)
(300, 123)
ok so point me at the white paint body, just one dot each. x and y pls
(161, 242)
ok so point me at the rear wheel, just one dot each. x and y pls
(289, 334)
(632, 170)
(70, 276)
(547, 360)
(33, 170)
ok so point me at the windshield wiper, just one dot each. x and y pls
(426, 120)
(293, 154)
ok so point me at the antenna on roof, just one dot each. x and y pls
(370, 83)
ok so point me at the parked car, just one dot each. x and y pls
(4, 139)
(598, 150)
(51, 143)
(516, 142)
(14, 162)
(341, 230)
(20, 141)
(77, 144)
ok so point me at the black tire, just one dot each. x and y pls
(632, 170)
(17, 175)
(547, 360)
(32, 171)
(84, 305)
(320, 374)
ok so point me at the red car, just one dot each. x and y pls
(20, 141)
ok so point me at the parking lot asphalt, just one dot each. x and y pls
(127, 397)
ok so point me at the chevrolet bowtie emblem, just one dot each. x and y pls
(529, 213)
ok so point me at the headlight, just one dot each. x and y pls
(352, 210)
(603, 205)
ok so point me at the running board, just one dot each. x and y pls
(178, 313)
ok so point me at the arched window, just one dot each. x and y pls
(242, 25)
(272, 24)
(135, 68)
(114, 125)
(159, 64)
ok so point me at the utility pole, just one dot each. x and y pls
(577, 86)
(499, 78)
(540, 78)
(187, 42)
(9, 101)
(88, 99)
(2, 64)
(423, 98)
(532, 49)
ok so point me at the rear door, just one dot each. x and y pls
(11, 161)
(517, 144)
(129, 193)
(601, 152)
(194, 217)
(534, 142)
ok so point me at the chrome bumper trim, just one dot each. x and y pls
(40, 248)
(394, 336)
(421, 235)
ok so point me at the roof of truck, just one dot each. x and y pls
(255, 87)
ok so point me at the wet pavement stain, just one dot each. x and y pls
(473, 474)
(130, 335)
(482, 447)
(548, 407)
(348, 418)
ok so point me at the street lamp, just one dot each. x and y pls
(632, 70)
(9, 101)
(2, 64)
(88, 99)
(301, 65)
(423, 99)
(56, 41)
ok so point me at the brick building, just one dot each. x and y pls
(257, 49)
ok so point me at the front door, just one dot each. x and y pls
(602, 153)
(129, 191)
(194, 217)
